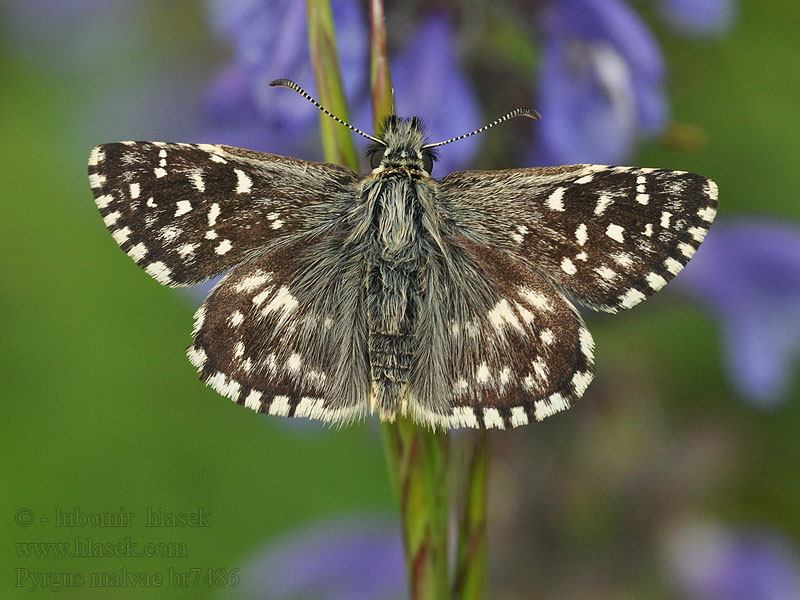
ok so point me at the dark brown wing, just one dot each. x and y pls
(187, 212)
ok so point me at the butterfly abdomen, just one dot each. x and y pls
(395, 259)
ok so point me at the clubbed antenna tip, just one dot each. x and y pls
(288, 83)
(519, 112)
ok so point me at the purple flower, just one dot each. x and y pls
(429, 82)
(699, 17)
(714, 562)
(353, 558)
(270, 40)
(748, 275)
(600, 83)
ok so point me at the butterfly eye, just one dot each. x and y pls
(375, 157)
(427, 162)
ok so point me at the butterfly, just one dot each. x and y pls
(396, 293)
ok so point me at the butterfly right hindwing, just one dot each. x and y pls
(500, 345)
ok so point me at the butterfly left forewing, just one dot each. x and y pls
(187, 212)
(609, 235)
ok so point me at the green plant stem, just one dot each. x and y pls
(380, 78)
(472, 552)
(417, 460)
(336, 139)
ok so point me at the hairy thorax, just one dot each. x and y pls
(398, 246)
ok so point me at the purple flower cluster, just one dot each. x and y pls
(355, 558)
(748, 276)
(600, 85)
(601, 82)
(710, 561)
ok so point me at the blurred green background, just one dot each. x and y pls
(101, 411)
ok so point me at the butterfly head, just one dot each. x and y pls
(401, 145)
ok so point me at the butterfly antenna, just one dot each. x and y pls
(288, 83)
(519, 112)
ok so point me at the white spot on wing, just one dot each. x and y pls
(136, 189)
(159, 172)
(96, 156)
(483, 375)
(707, 213)
(111, 218)
(280, 406)
(491, 418)
(96, 180)
(587, 343)
(581, 234)
(687, 249)
(535, 299)
(555, 200)
(672, 265)
(655, 281)
(253, 400)
(183, 207)
(243, 182)
(602, 204)
(160, 272)
(294, 362)
(223, 247)
(605, 272)
(196, 177)
(464, 416)
(502, 313)
(518, 416)
(711, 190)
(568, 266)
(615, 233)
(698, 233)
(197, 356)
(104, 200)
(580, 381)
(213, 213)
(188, 249)
(631, 298)
(137, 252)
(121, 235)
(549, 406)
(252, 282)
(283, 300)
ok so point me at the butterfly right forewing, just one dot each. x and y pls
(611, 236)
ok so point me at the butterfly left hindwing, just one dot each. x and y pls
(284, 335)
